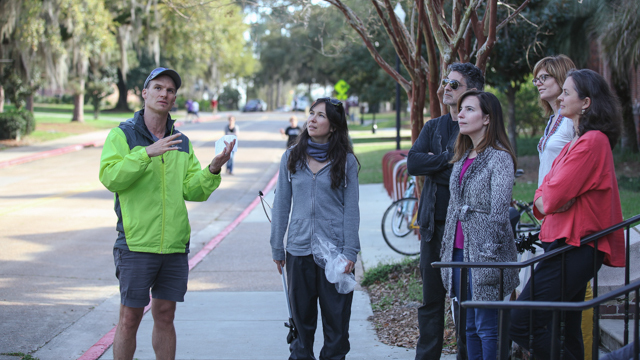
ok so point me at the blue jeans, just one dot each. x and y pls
(481, 325)
(230, 163)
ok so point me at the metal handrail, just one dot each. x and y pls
(545, 256)
(554, 305)
(502, 306)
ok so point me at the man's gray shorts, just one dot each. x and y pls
(166, 275)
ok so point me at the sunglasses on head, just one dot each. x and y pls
(334, 102)
(455, 84)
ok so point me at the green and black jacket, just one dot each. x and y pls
(150, 193)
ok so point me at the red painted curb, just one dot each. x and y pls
(77, 147)
(106, 341)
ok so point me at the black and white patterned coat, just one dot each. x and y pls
(481, 203)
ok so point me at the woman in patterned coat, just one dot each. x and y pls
(478, 227)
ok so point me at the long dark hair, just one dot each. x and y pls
(339, 144)
(496, 135)
(604, 113)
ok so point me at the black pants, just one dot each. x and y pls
(431, 312)
(547, 279)
(308, 285)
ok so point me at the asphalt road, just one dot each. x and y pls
(58, 230)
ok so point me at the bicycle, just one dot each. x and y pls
(399, 228)
(528, 222)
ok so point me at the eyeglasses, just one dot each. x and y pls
(455, 84)
(542, 78)
(334, 102)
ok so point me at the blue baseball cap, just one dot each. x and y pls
(164, 71)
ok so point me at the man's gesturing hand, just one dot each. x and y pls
(222, 158)
(163, 145)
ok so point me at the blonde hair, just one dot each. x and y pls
(557, 66)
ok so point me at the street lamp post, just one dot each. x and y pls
(401, 16)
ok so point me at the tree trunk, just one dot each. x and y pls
(96, 109)
(417, 98)
(122, 94)
(278, 91)
(628, 141)
(511, 116)
(1, 99)
(78, 108)
(29, 105)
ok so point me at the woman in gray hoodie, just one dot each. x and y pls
(478, 227)
(318, 187)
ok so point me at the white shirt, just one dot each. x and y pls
(552, 142)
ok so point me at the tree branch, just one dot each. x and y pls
(515, 13)
(358, 26)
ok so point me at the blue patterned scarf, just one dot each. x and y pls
(318, 151)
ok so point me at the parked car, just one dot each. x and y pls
(300, 103)
(255, 105)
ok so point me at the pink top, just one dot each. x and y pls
(459, 241)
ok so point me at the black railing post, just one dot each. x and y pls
(554, 334)
(626, 282)
(501, 331)
(462, 317)
(531, 353)
(636, 330)
(563, 314)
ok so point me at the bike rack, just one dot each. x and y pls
(395, 176)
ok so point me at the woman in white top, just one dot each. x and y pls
(548, 76)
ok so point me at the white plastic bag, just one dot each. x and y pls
(228, 138)
(326, 255)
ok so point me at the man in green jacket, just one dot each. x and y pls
(152, 170)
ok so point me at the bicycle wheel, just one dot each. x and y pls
(396, 227)
(528, 222)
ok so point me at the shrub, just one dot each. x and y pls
(16, 123)
(380, 273)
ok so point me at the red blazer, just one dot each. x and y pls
(586, 173)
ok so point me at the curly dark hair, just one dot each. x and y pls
(604, 114)
(471, 73)
(339, 144)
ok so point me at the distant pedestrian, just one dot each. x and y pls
(195, 109)
(151, 168)
(318, 188)
(214, 105)
(231, 129)
(292, 131)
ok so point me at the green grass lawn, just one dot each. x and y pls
(383, 120)
(370, 157)
(53, 121)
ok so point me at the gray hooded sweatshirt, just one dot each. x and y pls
(332, 214)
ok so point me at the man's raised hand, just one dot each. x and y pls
(163, 145)
(222, 158)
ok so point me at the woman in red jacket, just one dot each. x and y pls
(578, 197)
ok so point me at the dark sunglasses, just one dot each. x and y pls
(334, 102)
(455, 84)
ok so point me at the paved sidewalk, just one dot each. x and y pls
(246, 322)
